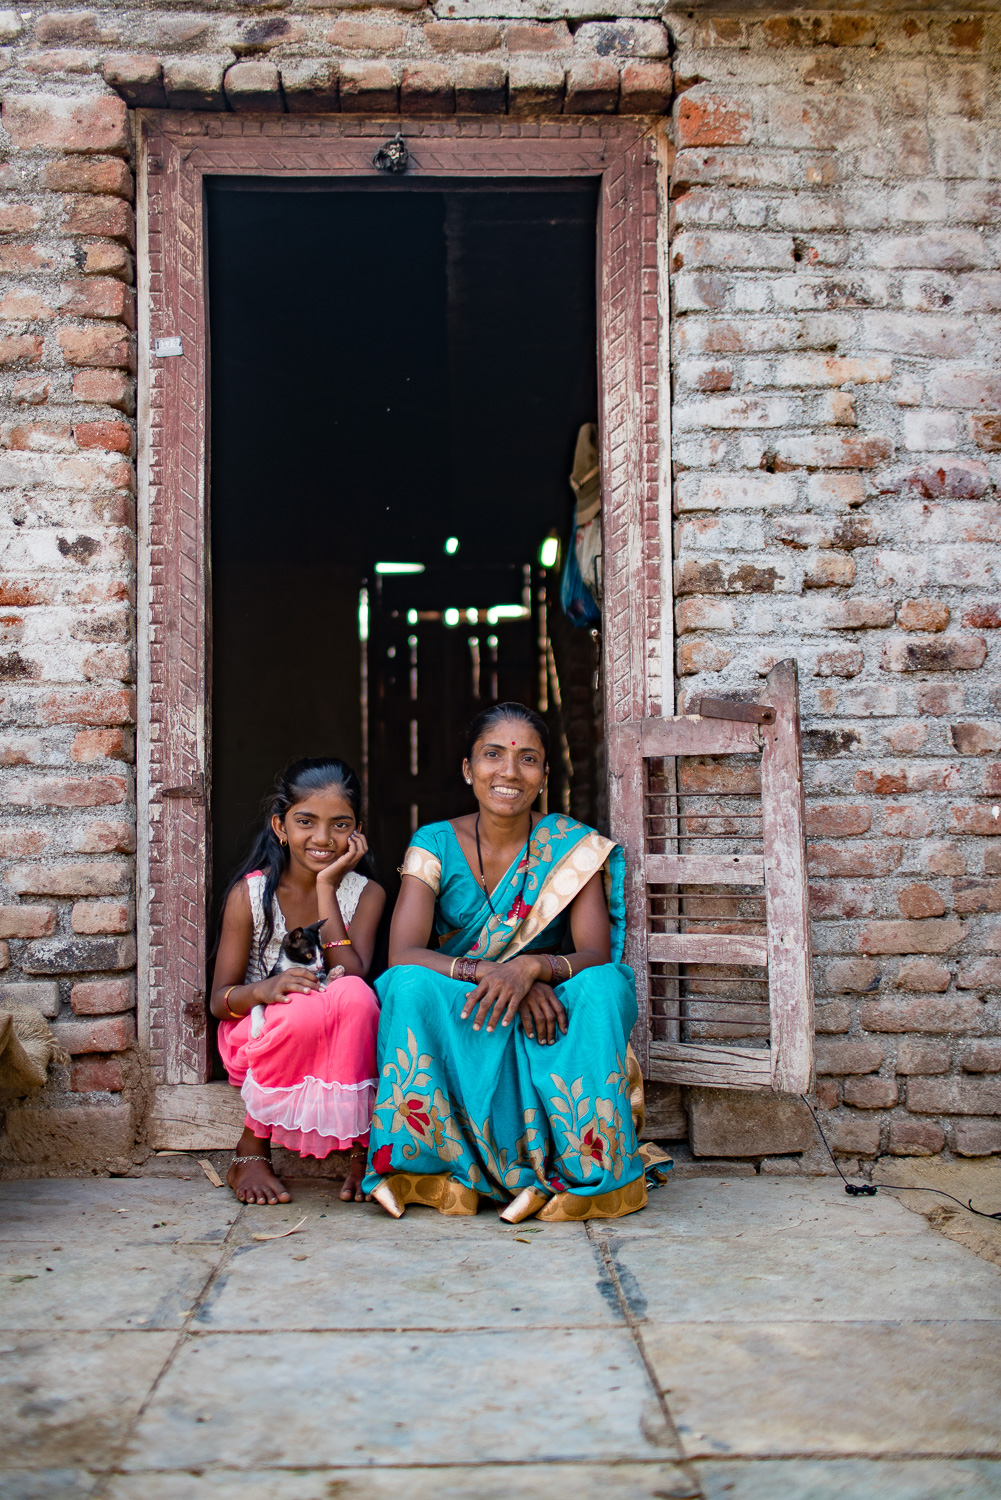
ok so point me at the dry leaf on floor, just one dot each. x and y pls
(282, 1233)
(210, 1172)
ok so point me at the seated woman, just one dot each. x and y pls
(503, 1063)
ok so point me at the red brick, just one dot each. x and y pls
(90, 878)
(645, 88)
(980, 974)
(22, 843)
(930, 1013)
(99, 297)
(368, 87)
(101, 744)
(18, 218)
(975, 820)
(105, 258)
(915, 1137)
(111, 1034)
(954, 1096)
(906, 822)
(954, 479)
(922, 1056)
(918, 901)
(854, 452)
(981, 1056)
(975, 739)
(90, 917)
(911, 937)
(69, 791)
(91, 706)
(870, 1093)
(957, 653)
(713, 120)
(858, 976)
(852, 1135)
(426, 88)
(837, 820)
(985, 430)
(34, 391)
(854, 859)
(976, 895)
(26, 921)
(97, 1075)
(462, 36)
(195, 82)
(105, 388)
(21, 349)
(702, 656)
(104, 838)
(137, 78)
(40, 437)
(21, 306)
(922, 614)
(833, 1017)
(938, 698)
(111, 437)
(101, 997)
(592, 87)
(846, 1056)
(857, 614)
(977, 1137)
(59, 123)
(254, 85)
(923, 974)
(535, 86)
(831, 571)
(983, 617)
(480, 87)
(105, 216)
(839, 663)
(106, 175)
(536, 37)
(828, 1093)
(102, 347)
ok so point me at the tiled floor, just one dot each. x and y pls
(741, 1339)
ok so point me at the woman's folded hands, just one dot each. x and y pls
(514, 989)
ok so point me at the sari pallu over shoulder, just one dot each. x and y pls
(497, 1113)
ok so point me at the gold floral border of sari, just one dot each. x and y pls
(564, 881)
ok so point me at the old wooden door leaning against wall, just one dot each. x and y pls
(177, 151)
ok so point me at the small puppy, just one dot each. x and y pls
(300, 950)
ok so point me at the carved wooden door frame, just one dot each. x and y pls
(176, 151)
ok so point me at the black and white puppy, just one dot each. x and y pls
(300, 949)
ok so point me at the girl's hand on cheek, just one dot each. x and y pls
(353, 855)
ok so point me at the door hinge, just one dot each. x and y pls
(193, 792)
(195, 1012)
(744, 713)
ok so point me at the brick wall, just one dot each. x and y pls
(836, 418)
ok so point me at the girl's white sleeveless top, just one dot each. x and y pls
(348, 894)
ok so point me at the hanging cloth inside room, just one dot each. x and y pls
(580, 589)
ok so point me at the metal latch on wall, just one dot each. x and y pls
(744, 713)
(193, 792)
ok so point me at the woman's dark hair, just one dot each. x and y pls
(295, 784)
(486, 720)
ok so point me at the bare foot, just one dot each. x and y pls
(351, 1191)
(253, 1181)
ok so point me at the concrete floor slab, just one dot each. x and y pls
(128, 1286)
(280, 1399)
(47, 1484)
(851, 1479)
(697, 1207)
(761, 1276)
(653, 1481)
(122, 1210)
(68, 1398)
(320, 1280)
(813, 1388)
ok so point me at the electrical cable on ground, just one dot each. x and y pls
(869, 1189)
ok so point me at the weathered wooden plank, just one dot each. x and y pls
(783, 823)
(196, 1117)
(705, 869)
(706, 948)
(690, 735)
(710, 1065)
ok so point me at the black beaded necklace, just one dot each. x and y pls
(483, 878)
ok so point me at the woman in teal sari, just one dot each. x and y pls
(503, 1055)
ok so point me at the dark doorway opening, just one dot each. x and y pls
(398, 375)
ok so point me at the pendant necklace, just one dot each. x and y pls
(483, 878)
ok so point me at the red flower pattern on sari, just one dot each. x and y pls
(519, 910)
(382, 1161)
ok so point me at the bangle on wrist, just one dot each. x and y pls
(235, 1015)
(464, 969)
(336, 943)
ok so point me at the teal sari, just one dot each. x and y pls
(496, 1111)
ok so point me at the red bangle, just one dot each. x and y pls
(465, 969)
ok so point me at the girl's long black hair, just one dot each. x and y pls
(303, 777)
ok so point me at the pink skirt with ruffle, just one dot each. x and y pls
(309, 1079)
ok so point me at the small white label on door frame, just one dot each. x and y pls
(163, 348)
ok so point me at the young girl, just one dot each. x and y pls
(309, 1079)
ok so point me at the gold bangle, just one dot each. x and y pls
(235, 1014)
(451, 972)
(569, 966)
(336, 943)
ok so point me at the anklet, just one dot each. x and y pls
(238, 1160)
